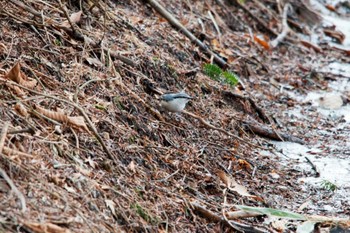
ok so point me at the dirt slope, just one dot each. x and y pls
(89, 150)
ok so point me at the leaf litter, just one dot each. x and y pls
(86, 149)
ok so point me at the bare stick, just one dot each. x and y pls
(220, 129)
(173, 21)
(14, 189)
(313, 167)
(240, 214)
(3, 173)
(286, 28)
(3, 135)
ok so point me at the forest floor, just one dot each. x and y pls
(85, 146)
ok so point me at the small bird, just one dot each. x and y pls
(174, 102)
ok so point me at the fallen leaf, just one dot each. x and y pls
(17, 76)
(224, 178)
(262, 42)
(74, 18)
(132, 166)
(78, 121)
(69, 189)
(21, 110)
(310, 45)
(111, 205)
(45, 227)
(234, 186)
(338, 35)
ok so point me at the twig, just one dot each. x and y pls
(3, 173)
(72, 32)
(256, 18)
(215, 218)
(3, 135)
(14, 189)
(221, 130)
(229, 95)
(166, 178)
(270, 133)
(8, 151)
(64, 9)
(286, 28)
(26, 130)
(81, 87)
(313, 167)
(240, 214)
(137, 97)
(215, 24)
(80, 109)
(120, 57)
(173, 21)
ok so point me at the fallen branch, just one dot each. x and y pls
(210, 126)
(229, 95)
(263, 131)
(173, 21)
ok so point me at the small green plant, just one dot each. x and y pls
(100, 107)
(217, 74)
(328, 185)
(118, 103)
(143, 214)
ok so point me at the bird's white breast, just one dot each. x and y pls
(176, 105)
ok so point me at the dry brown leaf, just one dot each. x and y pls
(132, 166)
(11, 152)
(74, 18)
(21, 110)
(310, 45)
(77, 122)
(45, 227)
(69, 189)
(58, 116)
(111, 205)
(216, 44)
(244, 164)
(330, 7)
(240, 189)
(17, 90)
(234, 186)
(17, 76)
(224, 178)
(94, 61)
(338, 35)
